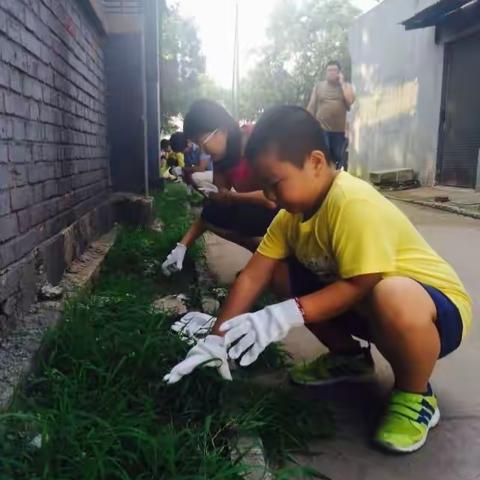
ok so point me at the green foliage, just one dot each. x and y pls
(302, 37)
(182, 64)
(97, 407)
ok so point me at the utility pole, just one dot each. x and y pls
(236, 66)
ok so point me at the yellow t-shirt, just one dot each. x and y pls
(357, 231)
(177, 158)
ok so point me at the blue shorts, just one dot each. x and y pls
(449, 322)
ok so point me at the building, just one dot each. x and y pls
(79, 110)
(416, 69)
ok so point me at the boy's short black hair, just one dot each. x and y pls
(293, 131)
(334, 63)
(178, 142)
(164, 144)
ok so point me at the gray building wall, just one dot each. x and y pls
(398, 80)
(53, 147)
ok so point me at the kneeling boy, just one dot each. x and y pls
(356, 267)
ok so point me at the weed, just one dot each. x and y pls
(98, 409)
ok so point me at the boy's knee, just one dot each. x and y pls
(401, 301)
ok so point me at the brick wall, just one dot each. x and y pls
(53, 149)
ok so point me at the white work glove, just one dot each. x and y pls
(210, 352)
(193, 326)
(255, 331)
(174, 261)
(208, 189)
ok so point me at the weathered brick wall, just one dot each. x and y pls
(53, 149)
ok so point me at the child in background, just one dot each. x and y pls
(352, 266)
(165, 149)
(198, 170)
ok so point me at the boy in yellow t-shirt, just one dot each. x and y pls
(352, 265)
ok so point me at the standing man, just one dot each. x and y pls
(329, 103)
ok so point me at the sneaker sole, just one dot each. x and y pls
(331, 381)
(416, 446)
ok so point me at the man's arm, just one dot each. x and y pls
(312, 104)
(249, 285)
(337, 298)
(348, 92)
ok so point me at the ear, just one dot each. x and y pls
(318, 161)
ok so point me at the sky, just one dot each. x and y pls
(215, 21)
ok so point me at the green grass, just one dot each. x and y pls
(98, 402)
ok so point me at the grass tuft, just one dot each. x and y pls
(98, 409)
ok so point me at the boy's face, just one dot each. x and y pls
(296, 189)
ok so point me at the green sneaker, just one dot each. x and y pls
(409, 418)
(333, 368)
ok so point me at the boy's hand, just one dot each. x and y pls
(255, 331)
(194, 325)
(210, 352)
(174, 261)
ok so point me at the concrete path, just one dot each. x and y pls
(457, 200)
(453, 449)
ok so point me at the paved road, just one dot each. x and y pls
(453, 449)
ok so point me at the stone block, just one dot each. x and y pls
(20, 197)
(398, 175)
(4, 176)
(35, 111)
(3, 22)
(50, 189)
(4, 202)
(24, 220)
(52, 255)
(3, 153)
(4, 75)
(43, 211)
(30, 42)
(19, 132)
(15, 8)
(34, 131)
(15, 81)
(40, 172)
(8, 227)
(19, 153)
(14, 29)
(133, 209)
(18, 175)
(6, 128)
(16, 105)
(29, 278)
(33, 89)
(24, 244)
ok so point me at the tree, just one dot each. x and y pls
(302, 37)
(182, 64)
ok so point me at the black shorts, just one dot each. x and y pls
(249, 220)
(449, 322)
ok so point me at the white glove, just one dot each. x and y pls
(255, 331)
(208, 189)
(210, 352)
(194, 325)
(174, 261)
